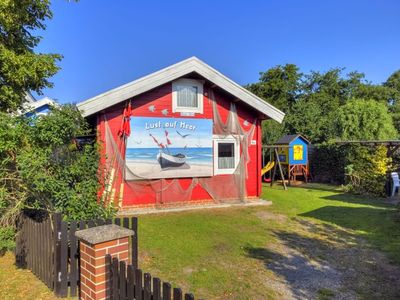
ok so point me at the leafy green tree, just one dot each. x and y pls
(41, 167)
(362, 119)
(21, 69)
(279, 86)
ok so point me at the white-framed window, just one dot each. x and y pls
(226, 154)
(187, 96)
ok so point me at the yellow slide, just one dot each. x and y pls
(268, 167)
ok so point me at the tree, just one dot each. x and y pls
(21, 69)
(362, 119)
(42, 168)
(279, 86)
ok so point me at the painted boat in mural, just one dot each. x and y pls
(170, 160)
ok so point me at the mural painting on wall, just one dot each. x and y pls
(169, 148)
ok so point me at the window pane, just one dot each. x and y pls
(226, 155)
(187, 96)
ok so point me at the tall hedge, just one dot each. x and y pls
(362, 169)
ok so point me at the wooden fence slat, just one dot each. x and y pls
(138, 285)
(147, 287)
(130, 283)
(134, 252)
(109, 275)
(47, 248)
(40, 255)
(35, 246)
(44, 261)
(125, 222)
(115, 281)
(122, 280)
(91, 223)
(57, 253)
(73, 268)
(177, 294)
(64, 259)
(166, 291)
(43, 246)
(156, 288)
(189, 297)
(82, 224)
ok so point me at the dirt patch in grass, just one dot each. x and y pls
(265, 215)
(321, 261)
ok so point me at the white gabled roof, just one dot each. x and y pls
(190, 65)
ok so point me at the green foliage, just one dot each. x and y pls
(313, 101)
(362, 169)
(21, 69)
(366, 170)
(7, 235)
(41, 167)
(327, 163)
(364, 120)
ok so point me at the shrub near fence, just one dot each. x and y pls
(48, 247)
(129, 283)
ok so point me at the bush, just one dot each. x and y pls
(7, 235)
(327, 163)
(366, 170)
(42, 168)
(362, 169)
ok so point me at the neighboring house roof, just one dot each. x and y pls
(185, 67)
(29, 98)
(287, 139)
(37, 104)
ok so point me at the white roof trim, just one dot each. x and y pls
(193, 64)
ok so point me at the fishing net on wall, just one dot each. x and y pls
(219, 188)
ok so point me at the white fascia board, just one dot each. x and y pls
(193, 64)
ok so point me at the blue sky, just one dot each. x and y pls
(108, 43)
(197, 132)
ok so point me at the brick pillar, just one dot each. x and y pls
(95, 244)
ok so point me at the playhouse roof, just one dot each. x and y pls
(185, 67)
(287, 139)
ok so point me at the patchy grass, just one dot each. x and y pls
(20, 284)
(234, 253)
(314, 242)
(373, 219)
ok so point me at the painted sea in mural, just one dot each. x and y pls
(169, 148)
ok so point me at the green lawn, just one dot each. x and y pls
(221, 253)
(264, 252)
(371, 218)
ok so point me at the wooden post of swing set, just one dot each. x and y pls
(278, 162)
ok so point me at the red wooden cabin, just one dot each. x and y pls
(203, 125)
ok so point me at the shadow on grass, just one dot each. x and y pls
(359, 199)
(335, 261)
(381, 226)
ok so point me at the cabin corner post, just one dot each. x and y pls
(95, 244)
